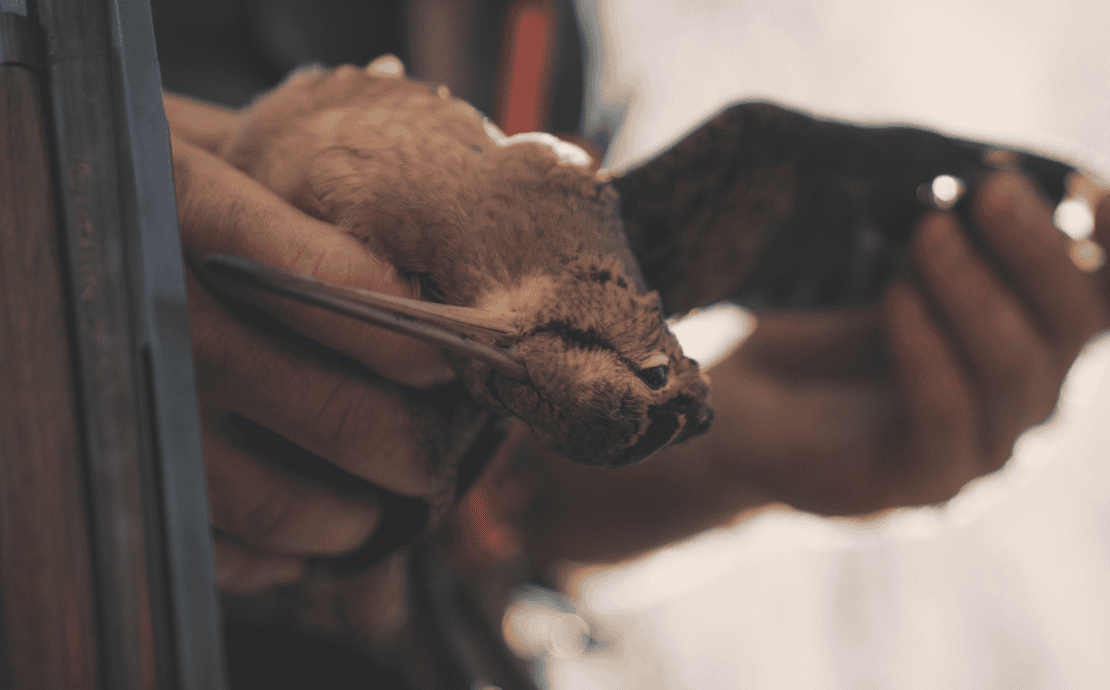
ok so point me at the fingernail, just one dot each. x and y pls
(387, 65)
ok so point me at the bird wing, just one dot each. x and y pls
(774, 207)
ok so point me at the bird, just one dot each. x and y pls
(517, 244)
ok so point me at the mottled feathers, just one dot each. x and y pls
(495, 223)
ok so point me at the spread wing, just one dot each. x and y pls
(775, 208)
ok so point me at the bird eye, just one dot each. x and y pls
(654, 377)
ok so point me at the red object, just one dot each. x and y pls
(525, 85)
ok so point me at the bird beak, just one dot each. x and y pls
(476, 333)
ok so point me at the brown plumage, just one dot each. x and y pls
(506, 226)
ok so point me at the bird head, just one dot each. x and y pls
(517, 226)
(608, 382)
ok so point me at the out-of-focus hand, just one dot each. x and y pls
(338, 392)
(855, 412)
(202, 124)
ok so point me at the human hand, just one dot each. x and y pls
(979, 347)
(854, 412)
(206, 125)
(334, 394)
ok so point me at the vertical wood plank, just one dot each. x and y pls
(46, 607)
(81, 98)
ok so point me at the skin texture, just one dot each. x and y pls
(902, 403)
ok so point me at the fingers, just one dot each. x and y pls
(243, 570)
(1017, 222)
(940, 402)
(328, 410)
(223, 211)
(206, 125)
(268, 509)
(1008, 358)
(849, 342)
(988, 362)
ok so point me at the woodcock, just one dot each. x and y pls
(515, 240)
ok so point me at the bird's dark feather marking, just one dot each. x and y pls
(587, 339)
(601, 276)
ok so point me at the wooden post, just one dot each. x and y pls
(105, 555)
(47, 617)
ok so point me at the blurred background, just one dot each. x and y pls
(1005, 587)
(520, 62)
(1008, 586)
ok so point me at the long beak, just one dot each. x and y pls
(476, 333)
